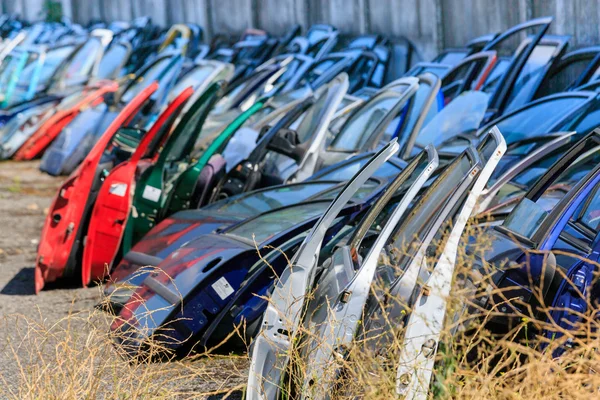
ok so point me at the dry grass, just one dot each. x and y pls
(75, 358)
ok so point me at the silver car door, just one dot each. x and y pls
(426, 319)
(317, 127)
(425, 218)
(335, 310)
(282, 317)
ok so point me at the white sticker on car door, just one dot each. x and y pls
(151, 193)
(223, 288)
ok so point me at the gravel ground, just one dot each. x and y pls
(25, 195)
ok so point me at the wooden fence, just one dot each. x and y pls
(431, 24)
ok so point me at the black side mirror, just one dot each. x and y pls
(286, 142)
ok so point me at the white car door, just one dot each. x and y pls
(428, 313)
(283, 315)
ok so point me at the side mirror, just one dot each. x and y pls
(286, 142)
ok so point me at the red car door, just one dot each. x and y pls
(61, 241)
(113, 204)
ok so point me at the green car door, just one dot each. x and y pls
(180, 196)
(154, 183)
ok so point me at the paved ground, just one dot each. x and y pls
(25, 195)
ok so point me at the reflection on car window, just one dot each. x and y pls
(530, 76)
(463, 114)
(361, 124)
(248, 205)
(267, 225)
(452, 57)
(365, 190)
(525, 218)
(538, 119)
(590, 121)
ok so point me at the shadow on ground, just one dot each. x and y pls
(21, 284)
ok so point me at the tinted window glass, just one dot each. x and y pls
(528, 214)
(530, 76)
(314, 115)
(414, 109)
(53, 60)
(183, 134)
(247, 205)
(412, 230)
(564, 77)
(316, 70)
(493, 79)
(538, 119)
(590, 120)
(438, 70)
(268, 225)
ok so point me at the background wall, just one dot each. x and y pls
(431, 24)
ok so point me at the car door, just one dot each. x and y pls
(282, 317)
(420, 109)
(150, 192)
(550, 114)
(113, 204)
(569, 305)
(14, 66)
(283, 153)
(344, 291)
(507, 47)
(541, 60)
(428, 314)
(63, 231)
